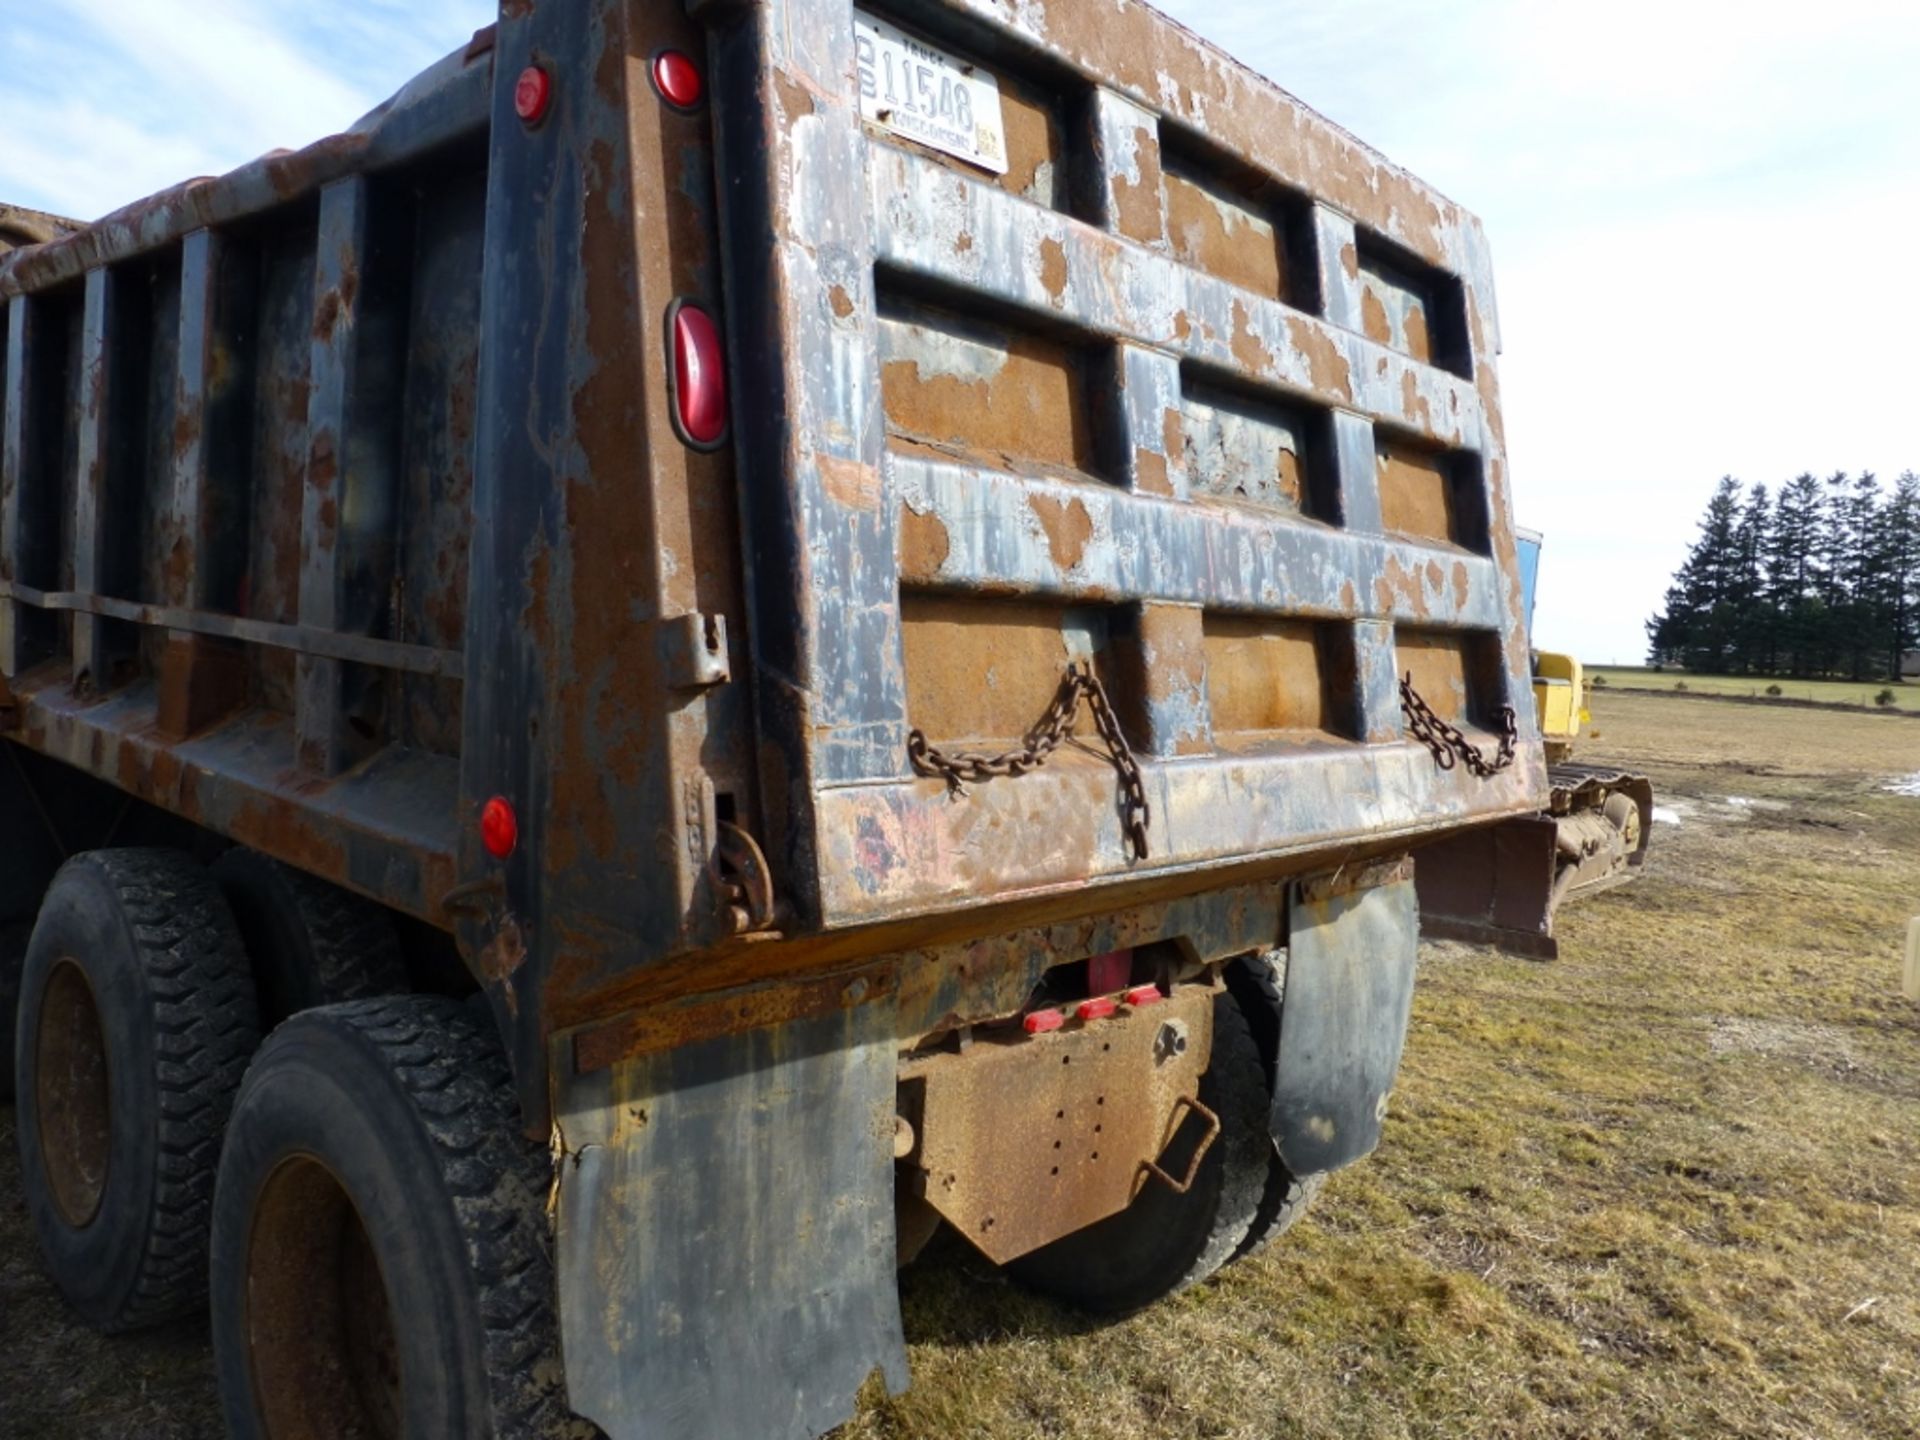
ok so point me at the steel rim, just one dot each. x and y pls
(73, 1104)
(322, 1348)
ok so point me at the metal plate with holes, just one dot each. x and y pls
(1025, 1140)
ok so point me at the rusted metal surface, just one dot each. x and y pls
(162, 435)
(1024, 1138)
(1135, 376)
(76, 1120)
(20, 227)
(959, 769)
(322, 1348)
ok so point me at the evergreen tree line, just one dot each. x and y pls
(1822, 579)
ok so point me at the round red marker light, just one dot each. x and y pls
(678, 80)
(532, 93)
(499, 828)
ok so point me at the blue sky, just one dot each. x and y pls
(1703, 214)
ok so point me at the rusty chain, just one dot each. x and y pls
(1054, 730)
(1448, 744)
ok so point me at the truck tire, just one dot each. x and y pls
(311, 943)
(1164, 1242)
(13, 958)
(1253, 985)
(136, 1020)
(380, 1254)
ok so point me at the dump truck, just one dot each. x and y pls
(1503, 885)
(729, 634)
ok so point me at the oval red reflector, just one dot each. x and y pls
(532, 92)
(499, 828)
(1042, 1021)
(1143, 995)
(1098, 1008)
(677, 79)
(700, 376)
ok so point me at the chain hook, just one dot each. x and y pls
(1054, 729)
(1448, 744)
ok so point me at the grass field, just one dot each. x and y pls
(1906, 696)
(1666, 1187)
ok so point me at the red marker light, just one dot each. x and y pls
(678, 80)
(499, 828)
(699, 377)
(1143, 995)
(1041, 1021)
(532, 93)
(1097, 1008)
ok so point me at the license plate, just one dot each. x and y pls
(924, 94)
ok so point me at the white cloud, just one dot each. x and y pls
(104, 101)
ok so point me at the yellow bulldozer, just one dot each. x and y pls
(1502, 884)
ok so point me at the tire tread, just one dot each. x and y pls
(456, 1077)
(206, 1029)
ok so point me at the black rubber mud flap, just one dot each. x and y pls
(726, 1234)
(1349, 990)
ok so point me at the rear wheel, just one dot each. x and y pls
(136, 1020)
(380, 1261)
(310, 943)
(14, 935)
(1284, 1198)
(1164, 1241)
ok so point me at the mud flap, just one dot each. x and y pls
(1343, 1020)
(725, 1249)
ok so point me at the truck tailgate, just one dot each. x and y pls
(1179, 382)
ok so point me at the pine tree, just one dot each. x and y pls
(1831, 553)
(1900, 529)
(1867, 606)
(1754, 636)
(1821, 579)
(1792, 591)
(1700, 621)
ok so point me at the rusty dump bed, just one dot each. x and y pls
(345, 492)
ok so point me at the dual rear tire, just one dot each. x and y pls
(357, 1189)
(136, 1022)
(1242, 1197)
(380, 1263)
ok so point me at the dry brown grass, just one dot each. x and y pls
(1668, 1186)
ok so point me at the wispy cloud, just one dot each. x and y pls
(103, 101)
